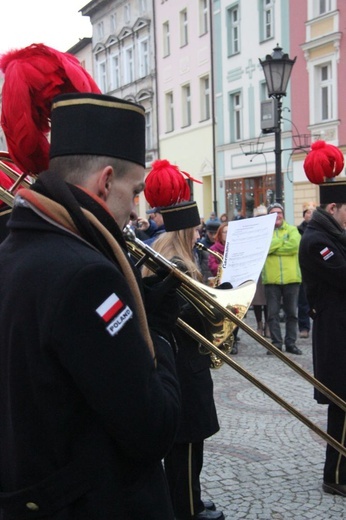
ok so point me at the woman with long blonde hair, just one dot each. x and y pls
(178, 247)
(184, 462)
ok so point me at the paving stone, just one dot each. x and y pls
(264, 463)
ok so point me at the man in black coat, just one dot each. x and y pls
(322, 259)
(89, 398)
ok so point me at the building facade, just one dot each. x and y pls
(123, 48)
(195, 67)
(82, 50)
(183, 67)
(318, 101)
(245, 165)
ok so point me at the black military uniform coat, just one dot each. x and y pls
(199, 417)
(85, 416)
(323, 264)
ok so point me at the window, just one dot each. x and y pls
(324, 6)
(320, 7)
(268, 19)
(263, 91)
(148, 131)
(323, 81)
(243, 195)
(186, 105)
(233, 30)
(100, 30)
(183, 28)
(205, 98)
(236, 117)
(325, 92)
(166, 39)
(143, 58)
(102, 76)
(127, 13)
(129, 65)
(203, 16)
(169, 112)
(113, 23)
(115, 71)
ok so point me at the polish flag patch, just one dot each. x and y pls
(326, 253)
(114, 313)
(110, 307)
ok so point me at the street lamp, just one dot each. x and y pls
(277, 68)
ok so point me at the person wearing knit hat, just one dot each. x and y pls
(322, 257)
(89, 396)
(183, 463)
(281, 279)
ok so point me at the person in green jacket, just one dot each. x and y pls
(281, 278)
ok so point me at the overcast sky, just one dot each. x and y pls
(56, 23)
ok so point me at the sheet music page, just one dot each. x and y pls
(247, 245)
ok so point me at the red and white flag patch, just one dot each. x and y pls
(326, 253)
(114, 313)
(109, 307)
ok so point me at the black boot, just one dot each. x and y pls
(207, 514)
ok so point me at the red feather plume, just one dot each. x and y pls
(323, 161)
(166, 185)
(33, 77)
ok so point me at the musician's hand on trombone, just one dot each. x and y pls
(143, 223)
(161, 301)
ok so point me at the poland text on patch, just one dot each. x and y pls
(119, 321)
(326, 253)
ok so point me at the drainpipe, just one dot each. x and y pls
(212, 101)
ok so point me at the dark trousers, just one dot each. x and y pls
(335, 463)
(183, 466)
(288, 294)
(303, 310)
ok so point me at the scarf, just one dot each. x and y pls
(72, 209)
(330, 226)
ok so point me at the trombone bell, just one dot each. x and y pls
(217, 306)
(221, 328)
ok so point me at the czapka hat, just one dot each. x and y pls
(323, 163)
(168, 192)
(181, 216)
(95, 124)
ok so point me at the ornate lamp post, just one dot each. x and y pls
(277, 68)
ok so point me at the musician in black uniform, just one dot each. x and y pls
(322, 257)
(89, 398)
(184, 462)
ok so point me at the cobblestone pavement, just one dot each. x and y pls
(264, 463)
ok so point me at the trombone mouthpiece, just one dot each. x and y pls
(128, 232)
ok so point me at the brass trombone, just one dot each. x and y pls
(228, 306)
(213, 300)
